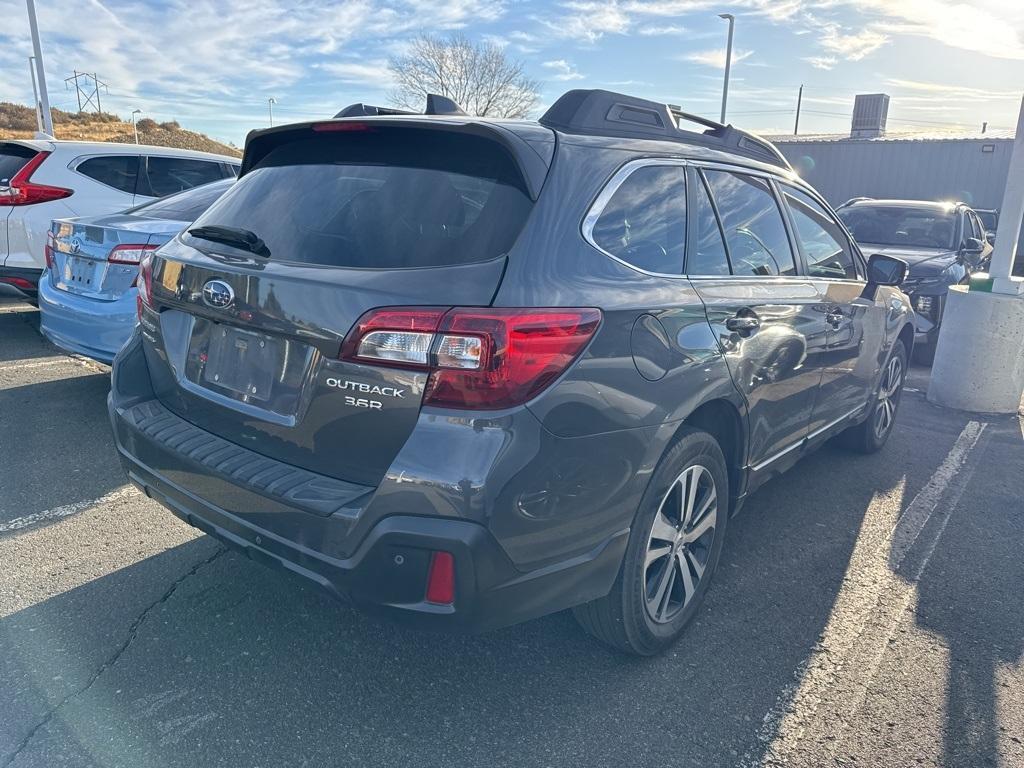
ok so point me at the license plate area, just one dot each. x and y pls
(242, 362)
(82, 274)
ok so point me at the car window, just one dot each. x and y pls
(167, 175)
(822, 239)
(988, 220)
(117, 171)
(977, 231)
(184, 206)
(708, 256)
(644, 222)
(391, 198)
(12, 158)
(896, 225)
(754, 231)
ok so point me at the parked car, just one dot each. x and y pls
(469, 372)
(43, 180)
(87, 295)
(944, 243)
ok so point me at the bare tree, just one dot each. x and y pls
(478, 76)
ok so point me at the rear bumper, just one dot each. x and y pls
(25, 280)
(379, 561)
(96, 329)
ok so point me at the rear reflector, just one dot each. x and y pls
(478, 358)
(129, 254)
(19, 282)
(22, 191)
(441, 579)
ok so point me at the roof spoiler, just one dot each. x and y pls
(607, 113)
(436, 105)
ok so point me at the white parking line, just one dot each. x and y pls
(65, 510)
(20, 365)
(846, 657)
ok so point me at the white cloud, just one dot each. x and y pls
(562, 70)
(716, 57)
(853, 46)
(821, 62)
(655, 30)
(958, 92)
(374, 73)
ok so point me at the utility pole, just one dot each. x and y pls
(91, 93)
(44, 99)
(270, 108)
(799, 101)
(728, 61)
(35, 93)
(135, 128)
(984, 126)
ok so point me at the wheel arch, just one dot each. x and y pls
(906, 335)
(723, 420)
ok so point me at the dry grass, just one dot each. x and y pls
(18, 122)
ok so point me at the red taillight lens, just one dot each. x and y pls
(342, 126)
(145, 283)
(479, 358)
(128, 254)
(441, 579)
(23, 192)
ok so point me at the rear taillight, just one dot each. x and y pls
(145, 283)
(129, 254)
(441, 579)
(48, 250)
(478, 358)
(22, 191)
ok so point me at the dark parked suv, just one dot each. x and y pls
(470, 372)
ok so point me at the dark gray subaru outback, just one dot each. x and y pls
(470, 372)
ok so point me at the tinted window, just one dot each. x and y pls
(976, 230)
(824, 244)
(167, 175)
(708, 256)
(644, 222)
(184, 206)
(753, 225)
(988, 221)
(12, 158)
(117, 171)
(386, 198)
(913, 227)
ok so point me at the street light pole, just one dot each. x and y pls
(728, 60)
(799, 101)
(135, 128)
(44, 99)
(270, 108)
(35, 93)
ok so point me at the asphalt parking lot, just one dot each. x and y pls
(868, 612)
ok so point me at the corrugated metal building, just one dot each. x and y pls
(914, 166)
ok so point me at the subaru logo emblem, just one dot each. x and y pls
(218, 294)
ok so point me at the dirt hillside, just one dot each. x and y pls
(18, 122)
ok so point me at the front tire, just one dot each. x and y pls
(673, 550)
(871, 434)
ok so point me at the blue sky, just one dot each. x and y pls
(212, 64)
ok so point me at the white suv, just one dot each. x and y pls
(46, 179)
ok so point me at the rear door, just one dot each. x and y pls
(855, 326)
(770, 321)
(249, 347)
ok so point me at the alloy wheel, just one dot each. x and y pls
(888, 394)
(679, 545)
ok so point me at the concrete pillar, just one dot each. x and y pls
(979, 361)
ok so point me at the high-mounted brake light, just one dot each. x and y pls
(342, 126)
(22, 191)
(128, 254)
(478, 358)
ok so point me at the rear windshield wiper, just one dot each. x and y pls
(244, 239)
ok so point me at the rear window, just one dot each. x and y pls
(184, 206)
(167, 175)
(12, 158)
(910, 227)
(384, 198)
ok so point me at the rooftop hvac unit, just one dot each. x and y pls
(870, 111)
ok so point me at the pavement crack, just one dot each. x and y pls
(133, 630)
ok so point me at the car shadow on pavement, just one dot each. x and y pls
(58, 447)
(19, 331)
(229, 664)
(969, 595)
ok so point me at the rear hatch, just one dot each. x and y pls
(98, 257)
(344, 217)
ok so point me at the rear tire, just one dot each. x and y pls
(673, 550)
(871, 434)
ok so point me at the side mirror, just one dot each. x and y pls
(972, 245)
(886, 270)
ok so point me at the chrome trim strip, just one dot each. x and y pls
(806, 439)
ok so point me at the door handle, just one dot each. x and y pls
(743, 324)
(834, 317)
